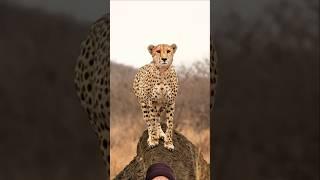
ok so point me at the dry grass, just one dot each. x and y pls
(125, 136)
(124, 139)
(200, 139)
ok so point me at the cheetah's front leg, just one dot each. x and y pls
(168, 142)
(153, 139)
(146, 111)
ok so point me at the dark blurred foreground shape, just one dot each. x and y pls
(266, 119)
(186, 160)
(44, 133)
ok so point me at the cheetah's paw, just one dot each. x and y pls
(169, 146)
(152, 143)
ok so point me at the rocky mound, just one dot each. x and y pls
(186, 160)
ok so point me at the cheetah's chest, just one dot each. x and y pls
(160, 91)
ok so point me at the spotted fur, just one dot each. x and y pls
(156, 87)
(92, 82)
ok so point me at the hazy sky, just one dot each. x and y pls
(137, 24)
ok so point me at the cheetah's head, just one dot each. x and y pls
(162, 54)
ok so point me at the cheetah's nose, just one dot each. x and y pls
(163, 59)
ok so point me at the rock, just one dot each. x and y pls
(186, 160)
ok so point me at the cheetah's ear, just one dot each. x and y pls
(150, 48)
(174, 47)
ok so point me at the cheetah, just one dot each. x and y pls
(92, 74)
(156, 87)
(92, 82)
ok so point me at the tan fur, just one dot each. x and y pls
(156, 87)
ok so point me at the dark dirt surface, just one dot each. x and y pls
(186, 160)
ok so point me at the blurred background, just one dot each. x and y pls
(44, 132)
(266, 118)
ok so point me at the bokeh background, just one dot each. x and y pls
(266, 121)
(266, 115)
(44, 132)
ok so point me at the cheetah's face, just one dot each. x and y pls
(162, 54)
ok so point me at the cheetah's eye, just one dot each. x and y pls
(158, 51)
(168, 51)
